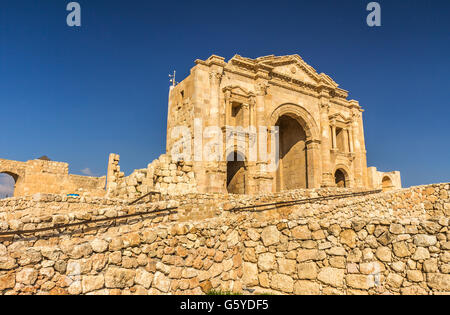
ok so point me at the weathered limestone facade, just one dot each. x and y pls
(42, 176)
(321, 133)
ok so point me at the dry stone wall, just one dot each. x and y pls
(386, 243)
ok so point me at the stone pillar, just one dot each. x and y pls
(363, 153)
(346, 139)
(113, 173)
(327, 176)
(313, 163)
(333, 134)
(215, 78)
(350, 137)
(263, 179)
(214, 173)
(226, 110)
(357, 148)
(246, 109)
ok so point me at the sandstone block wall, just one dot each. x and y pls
(387, 243)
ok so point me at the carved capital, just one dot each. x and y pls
(227, 95)
(325, 107)
(261, 88)
(356, 116)
(215, 77)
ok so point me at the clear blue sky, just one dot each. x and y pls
(77, 94)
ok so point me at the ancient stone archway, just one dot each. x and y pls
(7, 184)
(387, 183)
(292, 171)
(341, 178)
(14, 169)
(236, 174)
(303, 117)
(299, 148)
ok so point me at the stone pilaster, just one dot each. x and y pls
(358, 172)
(215, 175)
(313, 162)
(326, 145)
(262, 177)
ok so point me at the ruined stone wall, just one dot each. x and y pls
(50, 177)
(387, 243)
(384, 180)
(163, 175)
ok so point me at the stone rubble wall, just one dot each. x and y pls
(387, 243)
(162, 175)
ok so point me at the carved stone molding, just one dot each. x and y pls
(238, 94)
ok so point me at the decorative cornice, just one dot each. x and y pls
(319, 85)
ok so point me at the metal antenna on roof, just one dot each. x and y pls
(172, 79)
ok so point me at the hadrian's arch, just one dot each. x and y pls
(298, 146)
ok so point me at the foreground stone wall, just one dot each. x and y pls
(386, 243)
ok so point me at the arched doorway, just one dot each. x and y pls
(236, 174)
(7, 184)
(292, 172)
(339, 178)
(387, 184)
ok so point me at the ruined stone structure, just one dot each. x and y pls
(43, 176)
(321, 134)
(253, 102)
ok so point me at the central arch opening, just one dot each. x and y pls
(7, 184)
(236, 174)
(292, 171)
(339, 178)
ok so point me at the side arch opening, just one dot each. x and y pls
(386, 184)
(236, 174)
(8, 182)
(340, 179)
